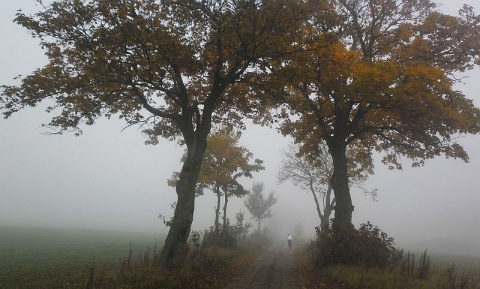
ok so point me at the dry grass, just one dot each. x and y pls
(204, 267)
(392, 277)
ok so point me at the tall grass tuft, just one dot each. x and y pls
(423, 266)
(451, 280)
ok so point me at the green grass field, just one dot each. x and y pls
(32, 257)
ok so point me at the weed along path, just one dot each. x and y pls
(272, 269)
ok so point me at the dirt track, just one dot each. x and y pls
(272, 269)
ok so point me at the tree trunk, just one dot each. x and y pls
(340, 186)
(217, 210)
(317, 204)
(327, 211)
(225, 211)
(176, 241)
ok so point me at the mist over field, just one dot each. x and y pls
(108, 179)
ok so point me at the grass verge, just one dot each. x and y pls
(204, 267)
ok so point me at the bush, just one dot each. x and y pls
(366, 258)
(229, 234)
(367, 247)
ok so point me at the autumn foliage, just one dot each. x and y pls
(379, 78)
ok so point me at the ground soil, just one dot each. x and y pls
(274, 268)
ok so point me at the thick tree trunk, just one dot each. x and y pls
(176, 241)
(340, 186)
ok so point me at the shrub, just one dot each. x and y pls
(229, 234)
(368, 246)
(223, 238)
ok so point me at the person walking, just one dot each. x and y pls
(290, 239)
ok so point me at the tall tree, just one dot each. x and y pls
(258, 205)
(173, 67)
(224, 163)
(313, 173)
(382, 81)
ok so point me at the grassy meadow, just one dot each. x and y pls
(34, 257)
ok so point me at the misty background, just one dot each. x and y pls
(109, 179)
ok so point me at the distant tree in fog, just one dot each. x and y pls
(313, 172)
(259, 206)
(309, 176)
(224, 163)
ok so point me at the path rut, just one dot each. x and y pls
(272, 269)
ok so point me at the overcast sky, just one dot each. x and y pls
(109, 179)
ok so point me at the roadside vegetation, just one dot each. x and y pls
(367, 258)
(206, 265)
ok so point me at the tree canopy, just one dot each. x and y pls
(381, 81)
(173, 67)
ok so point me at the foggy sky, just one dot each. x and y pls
(109, 179)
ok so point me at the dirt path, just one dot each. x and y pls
(272, 269)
